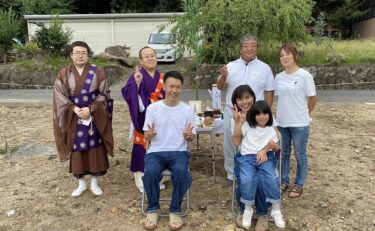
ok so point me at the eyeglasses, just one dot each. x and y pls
(77, 53)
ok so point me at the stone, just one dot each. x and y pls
(115, 210)
(323, 204)
(11, 213)
(117, 53)
(31, 148)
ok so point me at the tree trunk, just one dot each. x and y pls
(5, 58)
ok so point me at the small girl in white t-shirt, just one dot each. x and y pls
(253, 131)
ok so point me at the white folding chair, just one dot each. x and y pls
(166, 172)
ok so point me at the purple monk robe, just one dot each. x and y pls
(130, 94)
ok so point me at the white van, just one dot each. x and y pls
(164, 44)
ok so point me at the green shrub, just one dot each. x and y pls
(9, 29)
(29, 48)
(53, 38)
(334, 58)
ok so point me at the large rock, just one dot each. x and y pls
(118, 53)
(32, 148)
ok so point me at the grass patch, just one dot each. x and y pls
(351, 51)
(56, 63)
(7, 149)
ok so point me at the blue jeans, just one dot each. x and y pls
(298, 136)
(178, 163)
(251, 172)
(260, 198)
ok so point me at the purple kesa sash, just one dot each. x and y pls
(86, 137)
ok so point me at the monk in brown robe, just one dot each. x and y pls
(82, 118)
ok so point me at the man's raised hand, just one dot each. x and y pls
(224, 71)
(137, 76)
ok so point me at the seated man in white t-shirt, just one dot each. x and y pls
(168, 127)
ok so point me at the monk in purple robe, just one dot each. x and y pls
(82, 118)
(143, 87)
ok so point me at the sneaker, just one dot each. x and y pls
(246, 219)
(227, 183)
(278, 218)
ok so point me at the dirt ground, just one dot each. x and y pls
(339, 194)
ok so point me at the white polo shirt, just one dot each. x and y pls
(256, 74)
(293, 91)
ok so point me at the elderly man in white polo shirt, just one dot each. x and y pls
(258, 75)
(245, 70)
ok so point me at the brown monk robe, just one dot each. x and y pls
(69, 82)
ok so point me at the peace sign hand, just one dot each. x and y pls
(151, 133)
(238, 116)
(137, 76)
(188, 132)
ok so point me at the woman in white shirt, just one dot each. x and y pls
(296, 93)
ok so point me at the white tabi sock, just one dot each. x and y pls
(138, 180)
(95, 187)
(81, 188)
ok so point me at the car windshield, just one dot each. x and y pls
(161, 38)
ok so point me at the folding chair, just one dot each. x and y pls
(166, 172)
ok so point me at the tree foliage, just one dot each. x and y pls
(223, 22)
(340, 14)
(53, 38)
(190, 36)
(145, 6)
(319, 28)
(9, 29)
(47, 6)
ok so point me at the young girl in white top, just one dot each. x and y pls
(253, 131)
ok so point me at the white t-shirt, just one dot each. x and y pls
(293, 91)
(169, 123)
(274, 124)
(256, 74)
(255, 139)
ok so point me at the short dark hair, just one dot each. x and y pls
(259, 107)
(145, 47)
(240, 91)
(80, 44)
(173, 74)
